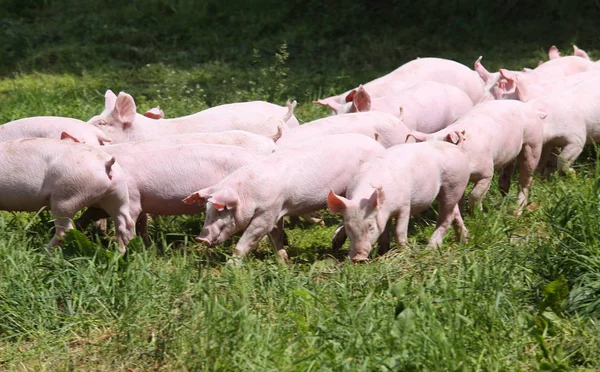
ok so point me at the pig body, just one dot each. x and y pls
(497, 135)
(52, 127)
(294, 182)
(159, 175)
(419, 70)
(426, 107)
(239, 138)
(553, 69)
(527, 89)
(64, 177)
(401, 183)
(573, 119)
(390, 129)
(120, 120)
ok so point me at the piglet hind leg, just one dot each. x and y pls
(462, 234)
(448, 206)
(528, 159)
(277, 237)
(479, 191)
(116, 204)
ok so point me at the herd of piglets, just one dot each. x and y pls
(391, 147)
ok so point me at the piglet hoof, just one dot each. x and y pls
(282, 256)
(359, 260)
(234, 261)
(517, 212)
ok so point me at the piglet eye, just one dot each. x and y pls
(371, 226)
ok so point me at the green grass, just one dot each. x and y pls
(521, 295)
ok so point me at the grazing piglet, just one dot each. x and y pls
(416, 71)
(390, 129)
(52, 127)
(120, 120)
(293, 182)
(426, 107)
(494, 135)
(401, 183)
(528, 88)
(159, 175)
(573, 119)
(66, 177)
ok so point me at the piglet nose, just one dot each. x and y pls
(202, 240)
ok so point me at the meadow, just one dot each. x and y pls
(522, 294)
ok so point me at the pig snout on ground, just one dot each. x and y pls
(255, 198)
(399, 184)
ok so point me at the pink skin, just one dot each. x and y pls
(252, 142)
(498, 135)
(160, 175)
(386, 188)
(297, 181)
(64, 177)
(426, 107)
(120, 121)
(573, 119)
(52, 127)
(416, 71)
(503, 85)
(389, 128)
(528, 89)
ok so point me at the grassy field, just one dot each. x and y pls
(522, 294)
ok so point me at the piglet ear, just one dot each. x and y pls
(350, 96)
(456, 137)
(109, 100)
(124, 111)
(580, 52)
(376, 199)
(64, 136)
(335, 202)
(553, 52)
(361, 101)
(331, 103)
(199, 197)
(223, 198)
(481, 71)
(155, 113)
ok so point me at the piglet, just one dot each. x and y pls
(443, 71)
(121, 122)
(573, 119)
(65, 177)
(160, 175)
(402, 182)
(52, 127)
(426, 107)
(389, 128)
(497, 135)
(255, 198)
